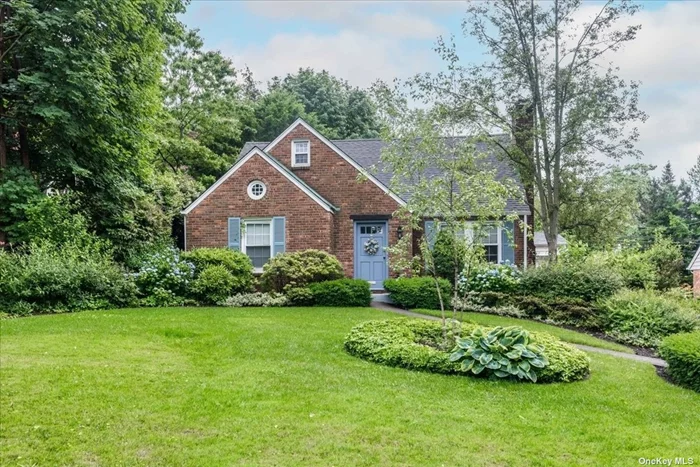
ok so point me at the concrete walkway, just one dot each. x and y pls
(381, 305)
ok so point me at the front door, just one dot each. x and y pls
(370, 254)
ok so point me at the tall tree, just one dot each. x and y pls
(79, 92)
(545, 67)
(204, 110)
(601, 207)
(342, 110)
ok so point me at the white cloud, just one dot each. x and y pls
(370, 43)
(403, 22)
(359, 58)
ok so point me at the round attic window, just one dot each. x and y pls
(256, 189)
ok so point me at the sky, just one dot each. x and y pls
(365, 41)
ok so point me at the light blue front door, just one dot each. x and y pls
(370, 254)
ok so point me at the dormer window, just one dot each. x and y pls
(301, 156)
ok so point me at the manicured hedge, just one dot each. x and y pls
(682, 353)
(584, 281)
(341, 292)
(401, 343)
(418, 292)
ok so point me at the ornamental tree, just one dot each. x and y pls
(442, 169)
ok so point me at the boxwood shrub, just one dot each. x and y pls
(415, 345)
(418, 292)
(236, 263)
(213, 285)
(341, 292)
(299, 269)
(682, 353)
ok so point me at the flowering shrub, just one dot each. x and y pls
(164, 271)
(255, 299)
(491, 278)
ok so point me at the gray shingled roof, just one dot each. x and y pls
(541, 240)
(367, 153)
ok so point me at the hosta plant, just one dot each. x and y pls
(503, 352)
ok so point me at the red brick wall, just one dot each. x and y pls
(308, 225)
(336, 180)
(696, 283)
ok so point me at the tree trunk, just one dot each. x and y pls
(3, 144)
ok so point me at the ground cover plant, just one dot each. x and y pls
(191, 386)
(566, 335)
(417, 344)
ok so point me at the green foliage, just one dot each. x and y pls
(341, 111)
(584, 281)
(18, 190)
(644, 318)
(418, 292)
(341, 292)
(502, 352)
(85, 94)
(419, 345)
(299, 296)
(560, 310)
(682, 353)
(164, 270)
(236, 263)
(448, 255)
(213, 284)
(667, 258)
(54, 219)
(299, 269)
(635, 267)
(43, 277)
(255, 299)
(491, 278)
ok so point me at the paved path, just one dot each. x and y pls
(639, 358)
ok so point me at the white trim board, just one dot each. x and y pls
(256, 152)
(692, 262)
(348, 159)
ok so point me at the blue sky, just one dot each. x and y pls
(365, 41)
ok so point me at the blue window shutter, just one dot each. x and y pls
(507, 242)
(430, 233)
(234, 233)
(277, 235)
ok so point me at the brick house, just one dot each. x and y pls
(303, 191)
(694, 266)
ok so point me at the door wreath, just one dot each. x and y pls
(371, 247)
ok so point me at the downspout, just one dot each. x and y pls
(184, 232)
(524, 242)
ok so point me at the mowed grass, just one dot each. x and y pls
(223, 386)
(564, 334)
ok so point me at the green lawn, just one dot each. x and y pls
(223, 386)
(564, 334)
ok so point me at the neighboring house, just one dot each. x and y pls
(542, 249)
(302, 191)
(694, 266)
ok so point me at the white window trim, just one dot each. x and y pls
(308, 153)
(469, 232)
(250, 190)
(244, 236)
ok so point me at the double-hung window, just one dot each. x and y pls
(489, 235)
(301, 155)
(257, 242)
(490, 238)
